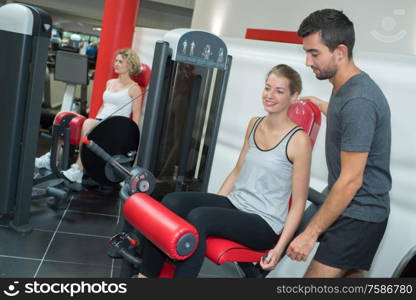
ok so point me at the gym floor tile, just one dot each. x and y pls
(55, 269)
(32, 245)
(78, 247)
(88, 223)
(115, 272)
(42, 217)
(84, 249)
(18, 267)
(96, 203)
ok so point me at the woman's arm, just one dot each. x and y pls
(299, 152)
(136, 92)
(228, 185)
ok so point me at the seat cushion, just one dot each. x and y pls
(220, 251)
(76, 129)
(75, 122)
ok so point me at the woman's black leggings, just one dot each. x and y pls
(212, 215)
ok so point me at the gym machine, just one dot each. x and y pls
(24, 35)
(186, 95)
(72, 68)
(182, 117)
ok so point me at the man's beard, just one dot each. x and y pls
(327, 73)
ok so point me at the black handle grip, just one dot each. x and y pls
(122, 171)
(99, 151)
(316, 197)
(137, 262)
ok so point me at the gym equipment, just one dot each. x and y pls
(66, 132)
(167, 230)
(180, 126)
(106, 168)
(114, 141)
(179, 238)
(67, 128)
(186, 95)
(71, 68)
(24, 35)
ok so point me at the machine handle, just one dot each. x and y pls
(122, 171)
(136, 261)
(316, 197)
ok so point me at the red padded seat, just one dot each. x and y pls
(75, 125)
(220, 251)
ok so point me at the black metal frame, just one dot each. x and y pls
(25, 59)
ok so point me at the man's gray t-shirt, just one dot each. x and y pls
(358, 120)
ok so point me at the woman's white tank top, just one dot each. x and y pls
(113, 101)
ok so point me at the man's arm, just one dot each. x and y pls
(340, 196)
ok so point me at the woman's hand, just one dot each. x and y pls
(270, 261)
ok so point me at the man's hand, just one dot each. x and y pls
(301, 247)
(323, 105)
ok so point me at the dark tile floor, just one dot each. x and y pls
(72, 242)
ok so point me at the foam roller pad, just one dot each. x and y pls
(173, 235)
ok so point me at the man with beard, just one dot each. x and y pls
(350, 223)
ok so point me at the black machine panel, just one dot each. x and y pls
(24, 38)
(186, 94)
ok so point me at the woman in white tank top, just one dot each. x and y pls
(117, 100)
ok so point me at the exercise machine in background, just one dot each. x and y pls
(24, 38)
(72, 68)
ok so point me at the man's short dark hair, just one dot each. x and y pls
(335, 28)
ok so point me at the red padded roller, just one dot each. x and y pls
(75, 125)
(169, 232)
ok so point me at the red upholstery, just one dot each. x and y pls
(305, 114)
(168, 270)
(75, 125)
(161, 226)
(222, 250)
(143, 78)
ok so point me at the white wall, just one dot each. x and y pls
(396, 20)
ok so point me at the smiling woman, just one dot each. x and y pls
(282, 85)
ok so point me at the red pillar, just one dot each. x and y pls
(118, 25)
